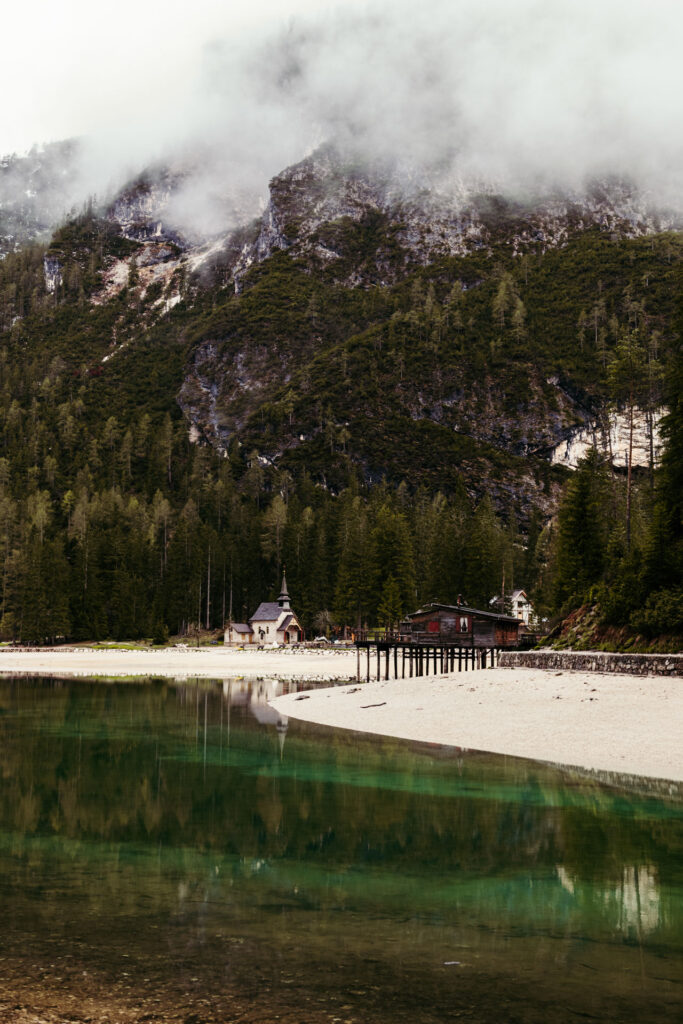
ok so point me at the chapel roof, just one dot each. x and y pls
(267, 611)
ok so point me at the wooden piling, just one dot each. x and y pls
(423, 658)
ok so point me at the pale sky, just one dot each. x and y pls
(508, 91)
(68, 65)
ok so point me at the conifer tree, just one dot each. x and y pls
(665, 555)
(581, 532)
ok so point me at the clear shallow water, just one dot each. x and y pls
(182, 853)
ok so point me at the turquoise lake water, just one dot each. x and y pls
(183, 849)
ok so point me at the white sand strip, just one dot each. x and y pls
(612, 723)
(183, 663)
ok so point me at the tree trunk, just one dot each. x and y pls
(628, 472)
(208, 592)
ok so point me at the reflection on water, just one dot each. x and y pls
(184, 846)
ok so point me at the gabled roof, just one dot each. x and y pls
(517, 594)
(240, 627)
(267, 611)
(291, 618)
(463, 609)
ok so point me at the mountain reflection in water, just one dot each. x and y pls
(239, 866)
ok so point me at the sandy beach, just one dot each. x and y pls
(610, 723)
(183, 663)
(605, 722)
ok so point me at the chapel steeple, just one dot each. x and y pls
(283, 599)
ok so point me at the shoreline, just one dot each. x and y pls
(597, 721)
(600, 722)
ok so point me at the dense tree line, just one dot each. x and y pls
(122, 530)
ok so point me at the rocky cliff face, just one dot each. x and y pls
(36, 193)
(52, 269)
(141, 210)
(612, 436)
(432, 219)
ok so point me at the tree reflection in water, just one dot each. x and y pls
(190, 828)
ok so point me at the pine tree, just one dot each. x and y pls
(665, 555)
(391, 607)
(392, 558)
(352, 585)
(581, 532)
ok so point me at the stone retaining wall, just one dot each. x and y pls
(595, 661)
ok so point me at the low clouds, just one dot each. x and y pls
(526, 93)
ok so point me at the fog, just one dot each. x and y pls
(522, 94)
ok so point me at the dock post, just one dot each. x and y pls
(368, 650)
(396, 661)
(459, 659)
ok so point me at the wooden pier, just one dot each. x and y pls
(409, 658)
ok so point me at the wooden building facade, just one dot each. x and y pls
(459, 624)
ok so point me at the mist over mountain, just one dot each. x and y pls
(522, 99)
(37, 192)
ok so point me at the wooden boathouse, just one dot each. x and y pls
(440, 638)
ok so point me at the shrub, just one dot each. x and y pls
(661, 614)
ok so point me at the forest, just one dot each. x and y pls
(114, 524)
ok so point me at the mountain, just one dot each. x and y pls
(436, 331)
(436, 351)
(444, 333)
(427, 217)
(37, 192)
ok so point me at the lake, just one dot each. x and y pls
(178, 851)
